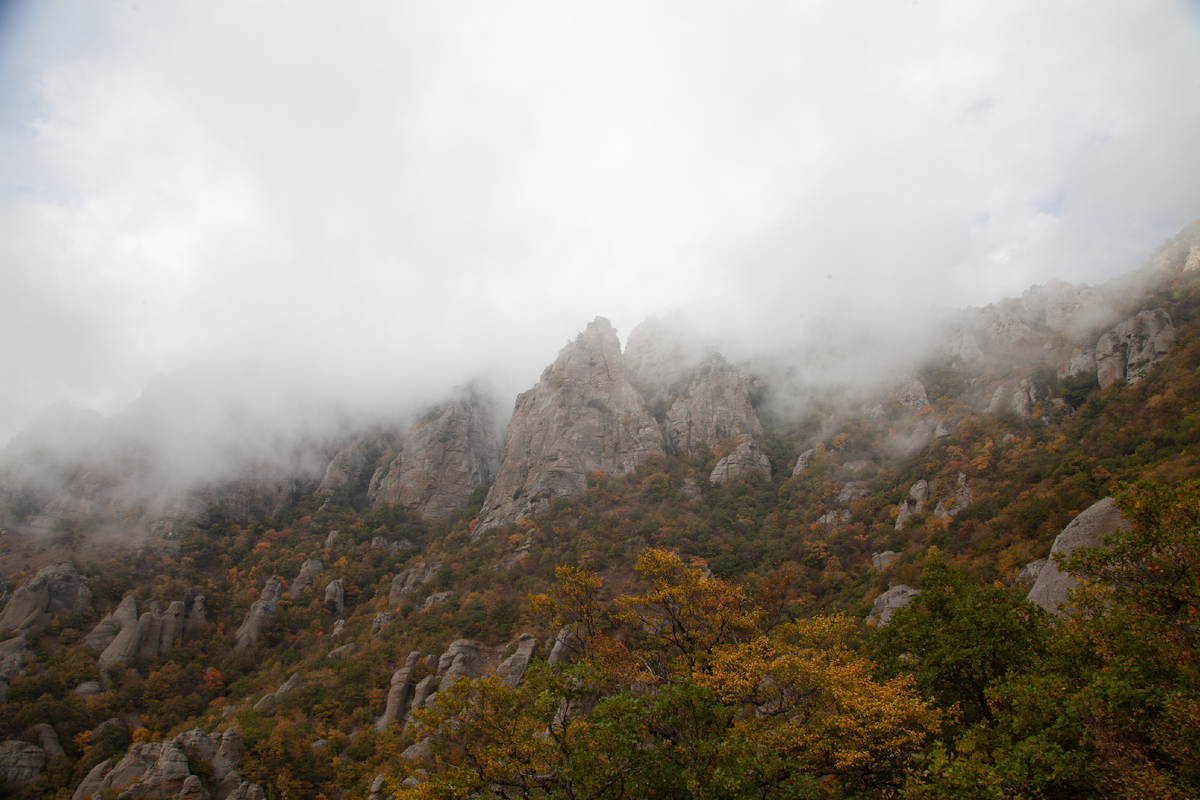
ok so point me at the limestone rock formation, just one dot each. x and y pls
(747, 458)
(1086, 530)
(464, 658)
(715, 406)
(411, 579)
(197, 614)
(151, 630)
(161, 770)
(107, 628)
(803, 461)
(346, 467)
(260, 614)
(20, 762)
(512, 669)
(445, 457)
(308, 570)
(56, 589)
(584, 415)
(1129, 350)
(660, 356)
(880, 561)
(335, 596)
(124, 647)
(49, 740)
(290, 684)
(398, 693)
(12, 656)
(172, 626)
(895, 598)
(91, 783)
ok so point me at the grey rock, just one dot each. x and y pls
(91, 783)
(464, 658)
(854, 490)
(998, 398)
(289, 685)
(56, 589)
(410, 580)
(1029, 573)
(1080, 362)
(715, 406)
(338, 626)
(418, 753)
(124, 648)
(1132, 348)
(335, 596)
(1086, 530)
(342, 652)
(260, 614)
(172, 626)
(12, 656)
(106, 629)
(132, 767)
(197, 614)
(247, 791)
(49, 740)
(911, 394)
(88, 688)
(330, 539)
(164, 778)
(950, 506)
(151, 630)
(21, 762)
(379, 622)
(566, 646)
(803, 461)
(193, 789)
(435, 599)
(747, 458)
(446, 456)
(512, 669)
(379, 789)
(346, 467)
(880, 561)
(895, 598)
(308, 570)
(425, 688)
(398, 693)
(584, 415)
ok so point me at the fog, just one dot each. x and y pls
(362, 205)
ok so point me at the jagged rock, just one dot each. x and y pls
(583, 416)
(1086, 530)
(1022, 399)
(381, 620)
(803, 461)
(346, 467)
(49, 740)
(197, 614)
(950, 506)
(21, 762)
(911, 394)
(308, 570)
(464, 658)
(124, 648)
(56, 589)
(425, 688)
(335, 596)
(392, 547)
(1132, 348)
(895, 598)
(445, 457)
(660, 356)
(338, 626)
(566, 646)
(192, 789)
(435, 599)
(151, 631)
(880, 561)
(291, 683)
(854, 490)
(260, 614)
(1193, 259)
(164, 778)
(132, 767)
(12, 656)
(410, 580)
(224, 778)
(1079, 363)
(106, 629)
(512, 669)
(398, 693)
(747, 458)
(343, 651)
(715, 406)
(172, 626)
(91, 783)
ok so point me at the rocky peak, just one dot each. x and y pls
(583, 415)
(660, 356)
(715, 406)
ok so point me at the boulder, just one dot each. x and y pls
(49, 740)
(435, 599)
(192, 789)
(410, 580)
(308, 570)
(566, 646)
(91, 782)
(747, 458)
(260, 614)
(335, 596)
(895, 598)
(583, 416)
(880, 561)
(132, 767)
(289, 685)
(197, 614)
(12, 656)
(20, 762)
(803, 461)
(172, 626)
(124, 648)
(464, 658)
(1052, 586)
(56, 589)
(164, 778)
(151, 631)
(425, 688)
(398, 693)
(379, 622)
(512, 669)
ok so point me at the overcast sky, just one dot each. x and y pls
(394, 197)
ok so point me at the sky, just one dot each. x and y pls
(371, 202)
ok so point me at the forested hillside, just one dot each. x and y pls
(689, 627)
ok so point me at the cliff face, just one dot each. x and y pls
(715, 406)
(445, 457)
(584, 415)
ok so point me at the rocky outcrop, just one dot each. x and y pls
(919, 493)
(446, 456)
(49, 740)
(714, 406)
(55, 590)
(151, 630)
(911, 395)
(107, 628)
(91, 783)
(660, 356)
(948, 507)
(308, 570)
(880, 561)
(12, 656)
(584, 415)
(197, 614)
(346, 467)
(512, 669)
(160, 769)
(464, 658)
(410, 580)
(1086, 530)
(260, 614)
(335, 596)
(888, 603)
(290, 684)
(399, 693)
(171, 631)
(1132, 348)
(20, 762)
(747, 458)
(124, 647)
(803, 461)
